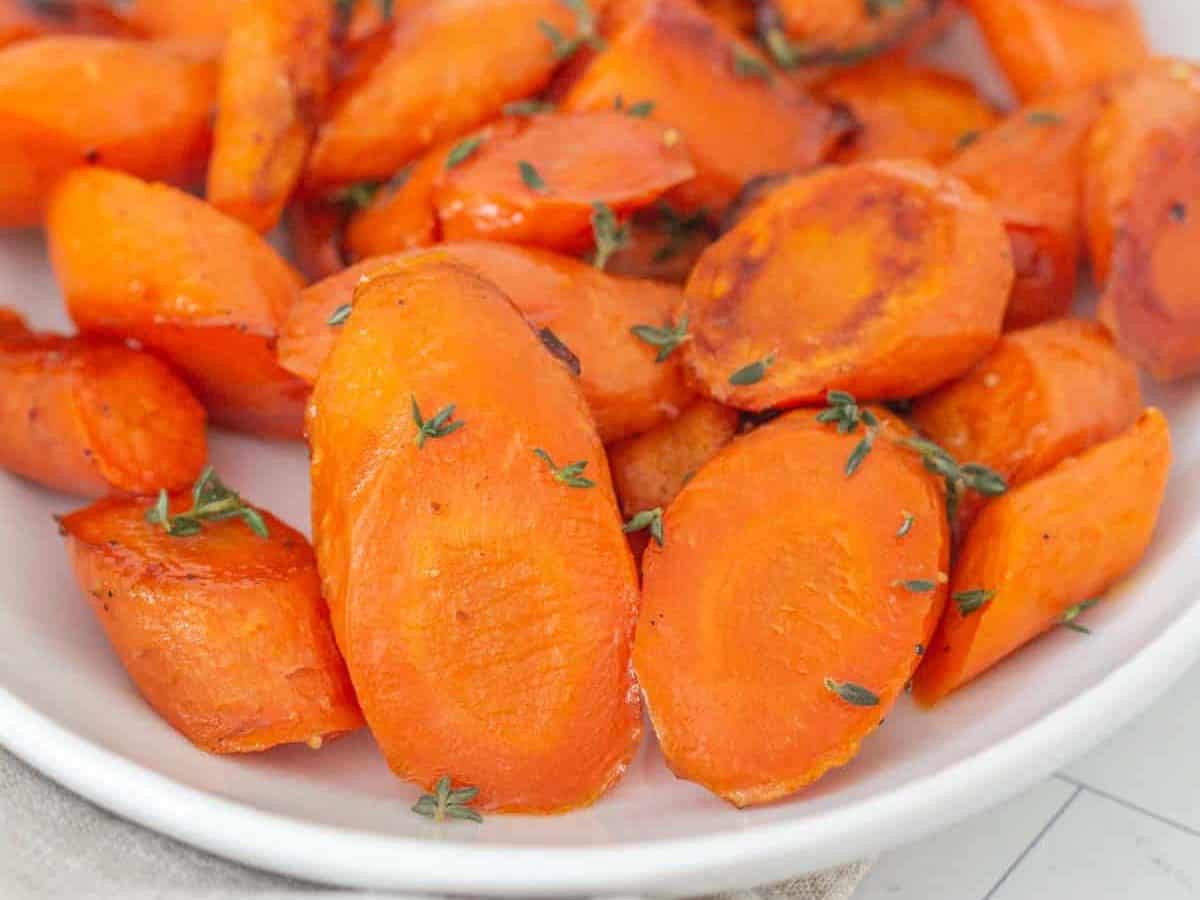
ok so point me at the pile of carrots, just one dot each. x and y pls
(716, 356)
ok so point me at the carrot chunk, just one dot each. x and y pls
(315, 237)
(274, 79)
(1043, 549)
(883, 279)
(470, 545)
(200, 28)
(801, 605)
(92, 418)
(21, 20)
(201, 290)
(839, 32)
(69, 101)
(223, 631)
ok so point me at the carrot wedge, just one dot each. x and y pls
(222, 630)
(93, 418)
(1043, 549)
(199, 28)
(315, 237)
(809, 33)
(274, 79)
(785, 592)
(470, 545)
(882, 279)
(201, 290)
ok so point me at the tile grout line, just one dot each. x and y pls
(1133, 807)
(1036, 840)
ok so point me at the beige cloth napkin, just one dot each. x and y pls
(55, 845)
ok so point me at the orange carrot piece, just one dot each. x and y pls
(540, 185)
(69, 101)
(737, 124)
(736, 15)
(452, 66)
(200, 28)
(201, 290)
(782, 582)
(93, 418)
(223, 632)
(1142, 196)
(1041, 550)
(1041, 395)
(21, 20)
(1049, 46)
(485, 605)
(315, 237)
(807, 33)
(274, 79)
(883, 279)
(906, 110)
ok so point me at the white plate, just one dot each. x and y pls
(338, 816)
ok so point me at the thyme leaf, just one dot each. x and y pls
(586, 33)
(531, 176)
(854, 694)
(340, 315)
(609, 234)
(753, 373)
(667, 340)
(448, 802)
(649, 519)
(463, 151)
(972, 601)
(571, 474)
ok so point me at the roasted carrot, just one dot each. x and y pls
(481, 588)
(1040, 551)
(315, 236)
(201, 290)
(222, 630)
(883, 279)
(736, 15)
(1049, 46)
(1030, 167)
(589, 312)
(452, 66)
(903, 109)
(70, 101)
(738, 120)
(805, 33)
(274, 79)
(200, 28)
(93, 418)
(1041, 395)
(541, 184)
(785, 592)
(1142, 197)
(21, 20)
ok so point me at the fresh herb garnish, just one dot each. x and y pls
(439, 426)
(844, 411)
(747, 65)
(356, 196)
(876, 8)
(639, 110)
(781, 48)
(1069, 617)
(753, 373)
(447, 802)
(463, 151)
(340, 315)
(585, 31)
(212, 501)
(967, 138)
(532, 178)
(972, 601)
(667, 340)
(907, 525)
(679, 229)
(1043, 117)
(609, 234)
(528, 108)
(650, 519)
(958, 479)
(854, 694)
(571, 475)
(918, 586)
(560, 351)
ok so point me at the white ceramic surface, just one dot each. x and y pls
(337, 816)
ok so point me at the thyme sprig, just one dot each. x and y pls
(439, 426)
(448, 802)
(586, 32)
(647, 520)
(843, 410)
(667, 340)
(1068, 618)
(571, 474)
(958, 478)
(212, 501)
(609, 234)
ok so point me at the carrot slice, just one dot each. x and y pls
(201, 28)
(274, 79)
(1143, 216)
(784, 593)
(839, 32)
(883, 279)
(1041, 395)
(473, 558)
(1048, 46)
(1042, 204)
(92, 418)
(223, 632)
(315, 237)
(451, 67)
(591, 313)
(737, 120)
(906, 110)
(69, 101)
(1039, 551)
(21, 20)
(203, 291)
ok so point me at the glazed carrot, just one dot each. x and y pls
(274, 79)
(93, 418)
(593, 314)
(223, 631)
(1048, 46)
(315, 237)
(737, 120)
(784, 592)
(906, 110)
(1041, 395)
(21, 20)
(201, 28)
(1038, 552)
(882, 279)
(664, 244)
(1142, 196)
(452, 66)
(481, 588)
(540, 185)
(71, 101)
(201, 290)
(650, 470)
(803, 33)
(1030, 167)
